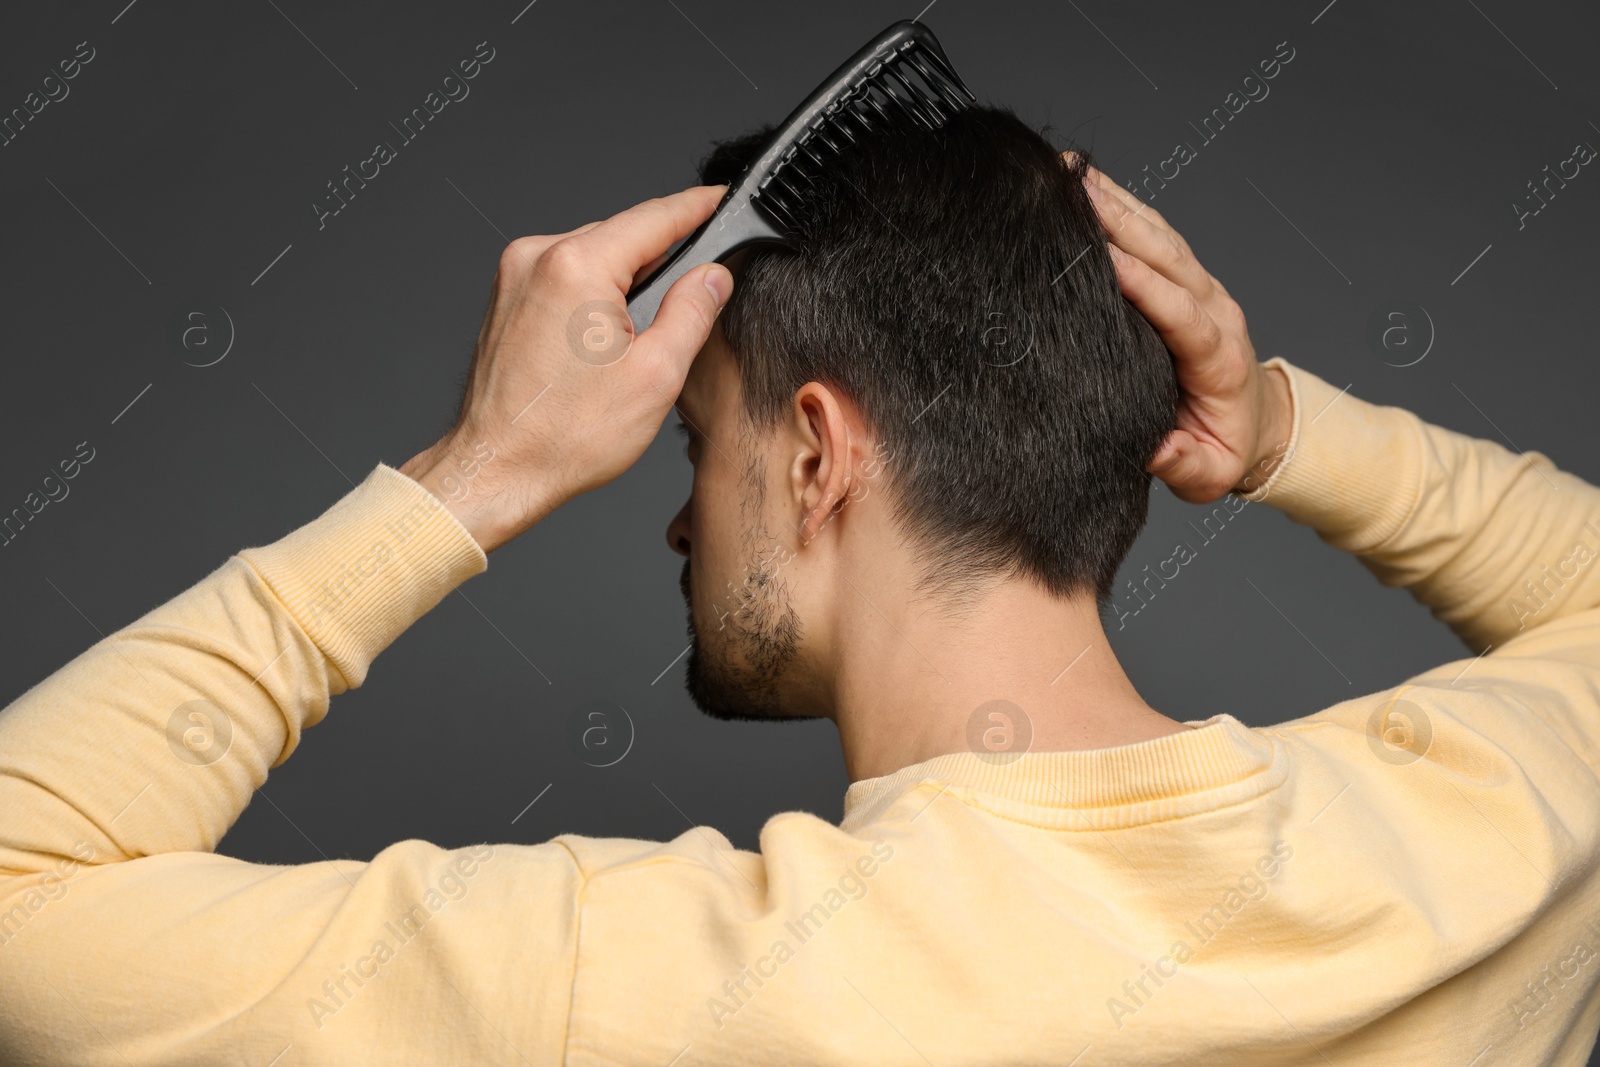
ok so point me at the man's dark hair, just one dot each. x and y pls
(956, 285)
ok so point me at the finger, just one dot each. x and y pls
(649, 268)
(550, 239)
(1195, 472)
(683, 323)
(1175, 259)
(585, 228)
(1127, 199)
(1188, 329)
(1155, 244)
(1119, 201)
(1120, 209)
(630, 239)
(1173, 447)
(1182, 464)
(525, 251)
(639, 274)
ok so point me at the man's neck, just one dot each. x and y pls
(1020, 671)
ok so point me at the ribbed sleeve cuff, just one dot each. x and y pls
(1352, 470)
(375, 562)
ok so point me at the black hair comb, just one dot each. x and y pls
(900, 77)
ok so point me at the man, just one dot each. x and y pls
(1034, 866)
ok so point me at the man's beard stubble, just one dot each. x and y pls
(738, 673)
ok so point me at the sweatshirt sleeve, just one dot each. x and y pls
(125, 940)
(1493, 542)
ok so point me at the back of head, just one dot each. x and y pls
(955, 284)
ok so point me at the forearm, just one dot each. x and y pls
(1463, 523)
(154, 739)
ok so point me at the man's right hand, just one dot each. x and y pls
(1233, 420)
(557, 323)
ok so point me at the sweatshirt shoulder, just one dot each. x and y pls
(1525, 716)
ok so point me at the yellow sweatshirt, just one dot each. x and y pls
(1405, 877)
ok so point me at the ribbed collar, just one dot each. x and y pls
(1221, 761)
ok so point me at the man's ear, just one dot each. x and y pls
(825, 430)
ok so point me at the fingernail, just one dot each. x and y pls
(720, 282)
(1095, 192)
(1118, 256)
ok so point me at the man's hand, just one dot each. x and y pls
(562, 397)
(1233, 417)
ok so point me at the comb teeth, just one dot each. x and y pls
(913, 84)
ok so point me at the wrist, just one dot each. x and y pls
(1277, 426)
(454, 474)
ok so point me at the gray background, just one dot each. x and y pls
(1382, 167)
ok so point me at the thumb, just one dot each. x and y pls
(686, 316)
(1181, 463)
(1170, 453)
